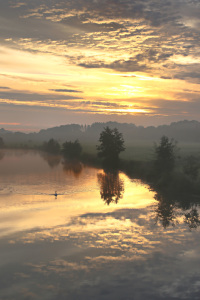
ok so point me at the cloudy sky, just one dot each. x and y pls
(81, 61)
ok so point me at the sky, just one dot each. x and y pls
(85, 61)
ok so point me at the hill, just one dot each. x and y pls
(139, 140)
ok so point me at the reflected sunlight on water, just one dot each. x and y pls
(98, 239)
(28, 202)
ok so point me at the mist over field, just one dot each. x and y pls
(139, 140)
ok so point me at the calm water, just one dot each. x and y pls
(98, 239)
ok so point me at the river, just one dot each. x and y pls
(70, 231)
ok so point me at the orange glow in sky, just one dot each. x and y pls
(88, 63)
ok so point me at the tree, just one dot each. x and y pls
(52, 146)
(111, 144)
(71, 150)
(165, 155)
(1, 143)
(191, 167)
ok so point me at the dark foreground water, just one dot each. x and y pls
(98, 239)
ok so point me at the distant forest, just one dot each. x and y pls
(183, 131)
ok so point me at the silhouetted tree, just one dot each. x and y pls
(72, 150)
(2, 145)
(52, 146)
(165, 155)
(111, 144)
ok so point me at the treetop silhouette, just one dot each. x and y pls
(111, 144)
(165, 155)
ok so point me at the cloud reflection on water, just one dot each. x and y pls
(77, 247)
(120, 252)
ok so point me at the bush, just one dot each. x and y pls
(52, 147)
(72, 150)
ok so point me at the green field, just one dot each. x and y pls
(144, 151)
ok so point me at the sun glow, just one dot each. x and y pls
(141, 77)
(127, 111)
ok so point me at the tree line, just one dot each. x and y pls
(176, 185)
(111, 144)
(69, 149)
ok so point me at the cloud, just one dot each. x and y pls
(78, 42)
(24, 96)
(155, 12)
(128, 36)
(130, 65)
(5, 123)
(4, 88)
(188, 75)
(65, 91)
(176, 107)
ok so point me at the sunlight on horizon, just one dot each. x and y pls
(96, 63)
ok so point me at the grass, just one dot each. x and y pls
(189, 149)
(140, 151)
(144, 151)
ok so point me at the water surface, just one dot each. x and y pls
(98, 239)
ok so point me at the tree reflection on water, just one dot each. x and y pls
(73, 167)
(2, 154)
(52, 160)
(111, 186)
(177, 195)
(177, 198)
(165, 211)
